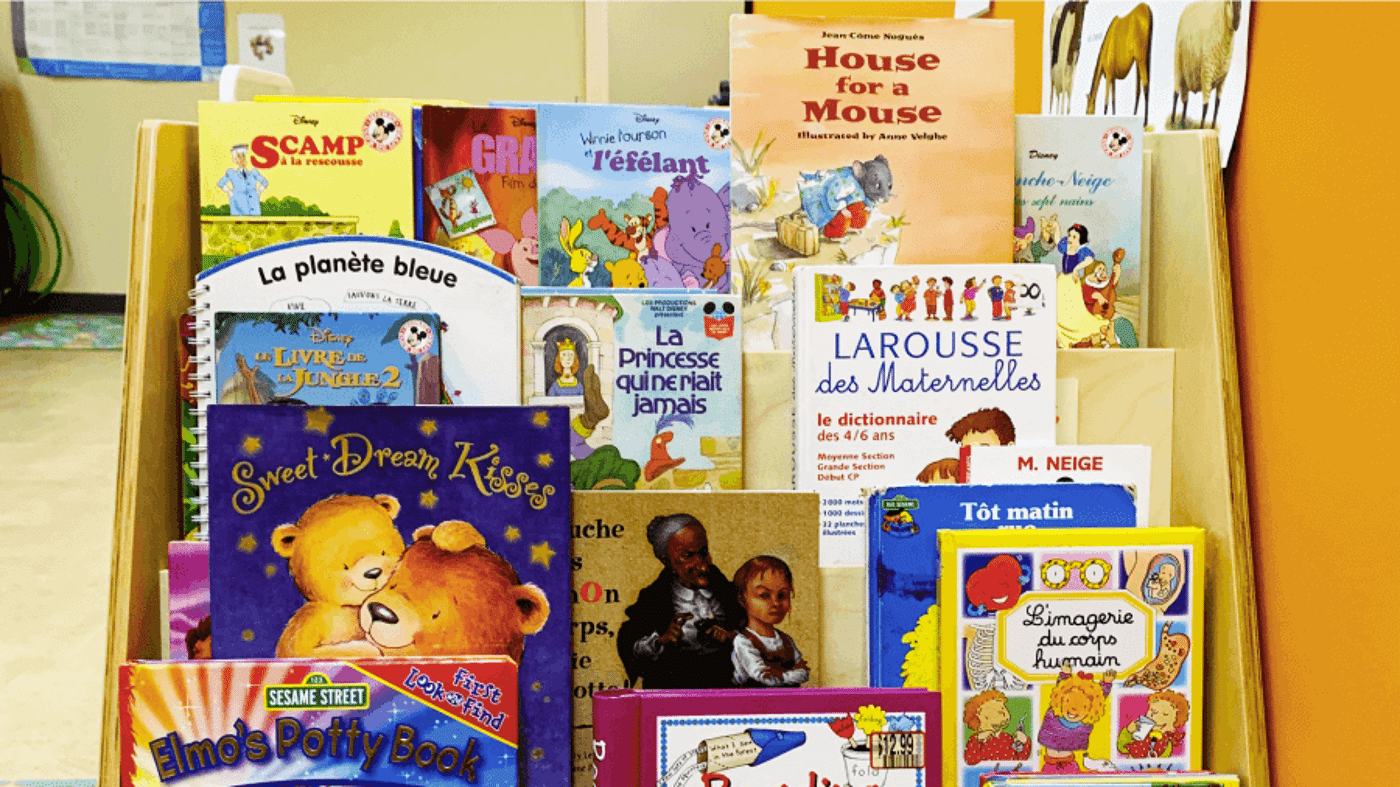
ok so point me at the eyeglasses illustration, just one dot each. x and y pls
(1093, 573)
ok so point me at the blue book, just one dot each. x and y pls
(356, 532)
(633, 196)
(902, 622)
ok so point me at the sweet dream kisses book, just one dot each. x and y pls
(634, 196)
(897, 367)
(864, 141)
(1071, 651)
(652, 380)
(637, 565)
(354, 532)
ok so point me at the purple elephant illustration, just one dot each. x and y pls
(691, 248)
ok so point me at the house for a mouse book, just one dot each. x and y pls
(866, 141)
(634, 196)
(1071, 651)
(652, 380)
(355, 532)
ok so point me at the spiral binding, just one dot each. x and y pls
(203, 373)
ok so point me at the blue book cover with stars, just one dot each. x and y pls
(364, 532)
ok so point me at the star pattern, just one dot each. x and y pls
(545, 459)
(270, 570)
(318, 420)
(428, 427)
(512, 533)
(251, 445)
(541, 553)
(247, 635)
(541, 418)
(427, 499)
(247, 543)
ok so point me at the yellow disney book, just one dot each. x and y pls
(275, 171)
(1076, 651)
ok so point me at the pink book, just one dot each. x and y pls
(189, 600)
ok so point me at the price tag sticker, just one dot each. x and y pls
(896, 750)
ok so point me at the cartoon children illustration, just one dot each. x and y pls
(899, 297)
(942, 471)
(947, 298)
(988, 426)
(763, 655)
(1074, 248)
(1010, 299)
(986, 717)
(1077, 703)
(996, 293)
(1161, 731)
(845, 295)
(911, 290)
(243, 185)
(877, 297)
(969, 296)
(931, 299)
(1100, 288)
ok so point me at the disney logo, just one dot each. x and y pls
(517, 122)
(302, 120)
(642, 117)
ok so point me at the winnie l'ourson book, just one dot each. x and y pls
(270, 172)
(359, 532)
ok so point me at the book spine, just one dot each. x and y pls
(616, 745)
(202, 379)
(964, 463)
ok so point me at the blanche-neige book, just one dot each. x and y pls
(1093, 464)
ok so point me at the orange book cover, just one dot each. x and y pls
(865, 141)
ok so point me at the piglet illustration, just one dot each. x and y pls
(522, 255)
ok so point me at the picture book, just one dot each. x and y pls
(897, 368)
(768, 737)
(420, 722)
(478, 185)
(652, 380)
(1071, 651)
(327, 358)
(190, 491)
(684, 591)
(356, 532)
(270, 172)
(1128, 465)
(1084, 216)
(191, 633)
(1147, 778)
(902, 610)
(864, 141)
(634, 196)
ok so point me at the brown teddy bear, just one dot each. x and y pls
(450, 595)
(339, 552)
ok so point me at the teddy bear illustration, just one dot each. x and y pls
(338, 553)
(451, 595)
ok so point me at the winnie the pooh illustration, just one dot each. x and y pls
(339, 552)
(451, 595)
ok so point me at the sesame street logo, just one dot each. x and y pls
(316, 693)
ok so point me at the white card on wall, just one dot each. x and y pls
(262, 42)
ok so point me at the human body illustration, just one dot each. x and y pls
(986, 717)
(1077, 703)
(764, 656)
(243, 184)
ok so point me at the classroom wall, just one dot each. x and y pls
(668, 52)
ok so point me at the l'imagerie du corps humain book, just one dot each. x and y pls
(353, 532)
(327, 358)
(191, 631)
(478, 180)
(897, 367)
(634, 196)
(902, 611)
(271, 172)
(676, 590)
(767, 738)
(864, 141)
(1129, 465)
(1071, 651)
(422, 722)
(1079, 208)
(1155, 778)
(652, 379)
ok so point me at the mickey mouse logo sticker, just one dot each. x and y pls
(383, 130)
(1117, 142)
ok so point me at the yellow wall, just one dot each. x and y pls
(668, 52)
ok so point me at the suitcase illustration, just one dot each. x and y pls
(796, 232)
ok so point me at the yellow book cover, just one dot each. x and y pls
(1070, 651)
(275, 171)
(864, 141)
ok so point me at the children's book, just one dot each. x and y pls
(1148, 778)
(653, 382)
(327, 358)
(886, 737)
(1079, 184)
(1071, 651)
(477, 192)
(1128, 465)
(897, 368)
(902, 612)
(420, 722)
(188, 600)
(634, 196)
(683, 591)
(190, 490)
(864, 141)
(271, 172)
(356, 532)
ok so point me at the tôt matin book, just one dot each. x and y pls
(766, 738)
(191, 631)
(387, 722)
(866, 141)
(1093, 639)
(652, 380)
(270, 172)
(676, 590)
(634, 196)
(478, 179)
(327, 358)
(897, 367)
(354, 532)
(1079, 187)
(902, 610)
(1129, 465)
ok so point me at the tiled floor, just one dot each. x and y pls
(59, 425)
